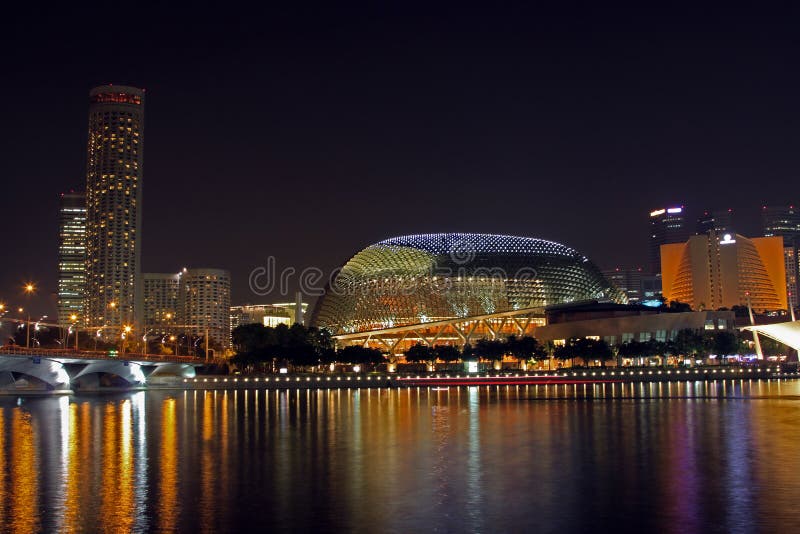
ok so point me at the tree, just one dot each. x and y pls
(490, 349)
(525, 348)
(724, 344)
(356, 354)
(420, 353)
(678, 307)
(257, 345)
(567, 351)
(598, 349)
(688, 343)
(447, 353)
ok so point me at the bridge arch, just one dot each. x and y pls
(15, 373)
(90, 376)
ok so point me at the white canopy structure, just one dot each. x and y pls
(787, 333)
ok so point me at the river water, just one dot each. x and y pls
(682, 457)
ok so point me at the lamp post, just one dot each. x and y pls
(74, 319)
(27, 323)
(126, 330)
(29, 288)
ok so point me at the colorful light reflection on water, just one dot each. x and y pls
(720, 456)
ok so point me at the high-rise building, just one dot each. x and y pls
(114, 171)
(719, 221)
(781, 221)
(205, 298)
(790, 263)
(71, 257)
(667, 225)
(784, 221)
(711, 272)
(640, 287)
(160, 302)
(629, 281)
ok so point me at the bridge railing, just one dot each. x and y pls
(95, 355)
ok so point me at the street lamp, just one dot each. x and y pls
(126, 330)
(74, 319)
(29, 289)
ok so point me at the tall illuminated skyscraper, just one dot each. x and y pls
(114, 170)
(784, 221)
(667, 225)
(71, 257)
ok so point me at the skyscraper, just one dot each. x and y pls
(667, 225)
(160, 302)
(71, 257)
(784, 221)
(720, 221)
(114, 170)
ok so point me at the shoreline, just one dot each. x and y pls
(592, 376)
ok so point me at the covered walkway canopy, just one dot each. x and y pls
(787, 333)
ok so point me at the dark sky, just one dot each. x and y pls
(309, 134)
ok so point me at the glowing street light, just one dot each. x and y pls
(74, 319)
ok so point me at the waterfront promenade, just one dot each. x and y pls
(561, 377)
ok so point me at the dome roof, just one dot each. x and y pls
(428, 277)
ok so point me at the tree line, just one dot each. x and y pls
(264, 349)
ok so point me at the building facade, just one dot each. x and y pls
(160, 310)
(264, 314)
(205, 302)
(781, 221)
(719, 221)
(637, 284)
(784, 221)
(114, 172)
(711, 272)
(667, 225)
(620, 324)
(71, 257)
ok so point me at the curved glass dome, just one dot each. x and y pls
(430, 277)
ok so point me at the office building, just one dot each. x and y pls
(205, 302)
(667, 225)
(71, 257)
(784, 221)
(160, 302)
(711, 272)
(719, 221)
(114, 207)
(781, 221)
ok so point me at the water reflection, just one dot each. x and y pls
(662, 457)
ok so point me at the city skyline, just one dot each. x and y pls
(351, 150)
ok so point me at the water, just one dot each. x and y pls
(686, 457)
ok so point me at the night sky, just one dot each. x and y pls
(309, 134)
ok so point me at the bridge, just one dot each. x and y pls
(65, 371)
